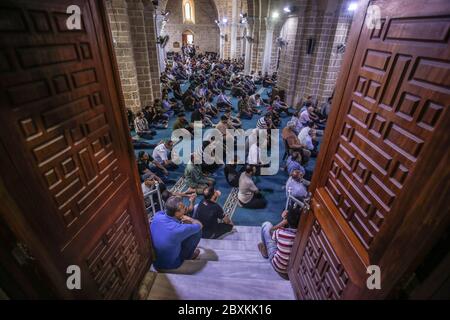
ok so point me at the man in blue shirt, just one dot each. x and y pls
(296, 186)
(294, 163)
(175, 235)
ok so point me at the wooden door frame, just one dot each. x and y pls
(430, 207)
(48, 276)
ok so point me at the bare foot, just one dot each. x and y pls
(196, 254)
(263, 250)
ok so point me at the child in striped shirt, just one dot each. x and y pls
(277, 241)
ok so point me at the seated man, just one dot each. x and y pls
(233, 122)
(294, 162)
(296, 119)
(279, 106)
(182, 123)
(211, 110)
(156, 117)
(141, 127)
(304, 116)
(223, 126)
(296, 186)
(199, 115)
(147, 166)
(209, 212)
(194, 177)
(232, 173)
(277, 241)
(223, 102)
(308, 138)
(175, 235)
(161, 154)
(249, 195)
(188, 101)
(291, 139)
(254, 101)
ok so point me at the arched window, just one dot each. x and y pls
(188, 11)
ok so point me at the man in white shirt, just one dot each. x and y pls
(306, 137)
(161, 154)
(304, 116)
(254, 154)
(249, 195)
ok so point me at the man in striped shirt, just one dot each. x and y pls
(277, 241)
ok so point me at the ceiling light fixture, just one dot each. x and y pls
(352, 6)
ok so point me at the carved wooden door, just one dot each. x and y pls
(65, 152)
(380, 184)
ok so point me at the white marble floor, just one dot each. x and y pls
(227, 269)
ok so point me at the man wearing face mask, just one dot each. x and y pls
(175, 235)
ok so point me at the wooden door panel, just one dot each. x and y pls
(392, 106)
(388, 132)
(63, 128)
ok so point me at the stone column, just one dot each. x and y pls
(234, 26)
(248, 46)
(123, 46)
(160, 25)
(150, 34)
(222, 29)
(270, 26)
(140, 49)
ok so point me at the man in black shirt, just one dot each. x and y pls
(197, 115)
(209, 212)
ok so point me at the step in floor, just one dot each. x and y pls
(186, 287)
(238, 245)
(230, 269)
(243, 236)
(230, 255)
(248, 229)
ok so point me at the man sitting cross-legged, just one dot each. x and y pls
(249, 195)
(296, 186)
(195, 179)
(175, 235)
(209, 212)
(142, 128)
(161, 154)
(277, 241)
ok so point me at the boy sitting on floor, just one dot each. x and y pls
(277, 241)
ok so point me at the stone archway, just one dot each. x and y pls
(187, 37)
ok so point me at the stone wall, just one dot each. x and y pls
(314, 73)
(206, 31)
(134, 40)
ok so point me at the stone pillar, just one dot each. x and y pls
(270, 26)
(248, 46)
(123, 45)
(234, 26)
(222, 30)
(150, 33)
(160, 25)
(141, 52)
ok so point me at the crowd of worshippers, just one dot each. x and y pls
(177, 230)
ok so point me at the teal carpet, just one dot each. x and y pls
(273, 186)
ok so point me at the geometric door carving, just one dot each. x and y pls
(61, 123)
(392, 115)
